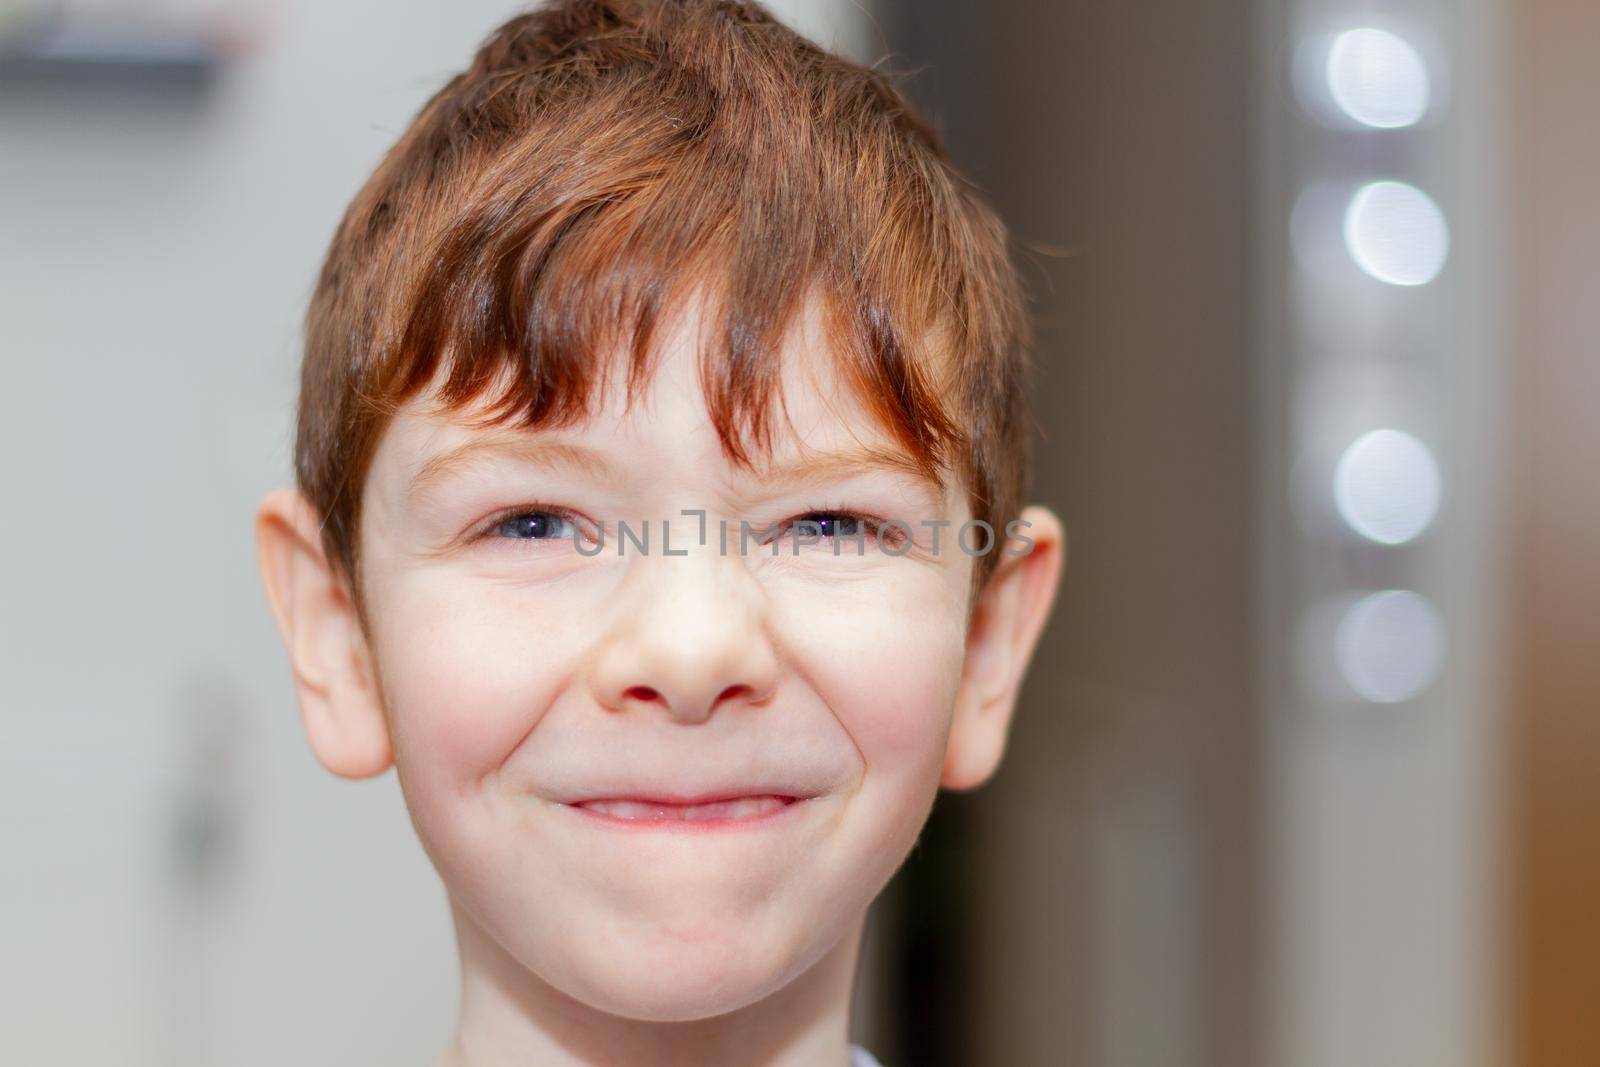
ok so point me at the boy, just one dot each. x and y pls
(659, 389)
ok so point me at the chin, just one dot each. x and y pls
(700, 997)
(689, 990)
(663, 977)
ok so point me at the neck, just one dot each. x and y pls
(512, 1018)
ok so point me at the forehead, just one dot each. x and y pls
(667, 423)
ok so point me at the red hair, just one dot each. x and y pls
(600, 162)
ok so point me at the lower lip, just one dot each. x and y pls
(741, 813)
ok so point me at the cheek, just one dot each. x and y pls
(888, 664)
(465, 678)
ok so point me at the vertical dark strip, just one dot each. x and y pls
(1118, 133)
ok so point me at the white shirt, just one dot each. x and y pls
(860, 1057)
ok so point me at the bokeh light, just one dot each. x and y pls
(1396, 233)
(1390, 645)
(1386, 486)
(1377, 78)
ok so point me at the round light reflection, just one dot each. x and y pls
(1377, 78)
(1396, 233)
(1390, 646)
(1386, 486)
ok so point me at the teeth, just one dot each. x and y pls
(739, 808)
(742, 808)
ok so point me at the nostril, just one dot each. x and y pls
(645, 694)
(733, 691)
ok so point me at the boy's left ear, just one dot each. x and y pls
(1007, 620)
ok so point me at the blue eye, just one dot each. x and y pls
(834, 523)
(826, 525)
(534, 526)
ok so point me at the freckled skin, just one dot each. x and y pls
(516, 677)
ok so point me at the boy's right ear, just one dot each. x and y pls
(333, 676)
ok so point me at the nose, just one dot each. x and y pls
(689, 638)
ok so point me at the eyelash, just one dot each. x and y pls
(872, 525)
(490, 525)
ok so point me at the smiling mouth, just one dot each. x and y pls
(723, 811)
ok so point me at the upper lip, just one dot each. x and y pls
(676, 799)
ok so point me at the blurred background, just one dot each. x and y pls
(1306, 774)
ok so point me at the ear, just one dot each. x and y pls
(333, 677)
(1007, 620)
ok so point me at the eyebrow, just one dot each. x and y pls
(557, 454)
(850, 462)
(803, 470)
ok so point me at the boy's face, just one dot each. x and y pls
(667, 784)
